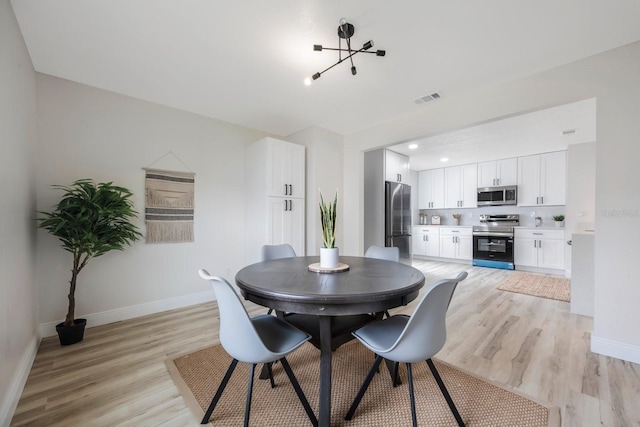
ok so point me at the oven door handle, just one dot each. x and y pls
(492, 234)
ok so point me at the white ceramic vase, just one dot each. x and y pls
(329, 257)
(559, 223)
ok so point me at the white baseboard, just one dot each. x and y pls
(124, 313)
(14, 391)
(617, 349)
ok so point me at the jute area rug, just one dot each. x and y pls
(480, 403)
(538, 285)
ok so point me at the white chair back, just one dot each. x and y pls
(270, 252)
(426, 333)
(381, 252)
(237, 333)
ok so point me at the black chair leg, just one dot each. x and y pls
(363, 388)
(299, 392)
(412, 396)
(273, 384)
(216, 397)
(445, 392)
(247, 408)
(396, 374)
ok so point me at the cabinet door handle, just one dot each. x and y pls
(291, 189)
(286, 190)
(538, 234)
(542, 200)
(285, 205)
(426, 238)
(539, 244)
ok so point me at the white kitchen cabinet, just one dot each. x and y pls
(274, 196)
(536, 247)
(396, 167)
(285, 168)
(426, 241)
(431, 189)
(286, 223)
(461, 186)
(542, 179)
(456, 243)
(498, 173)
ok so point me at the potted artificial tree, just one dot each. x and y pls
(329, 257)
(90, 220)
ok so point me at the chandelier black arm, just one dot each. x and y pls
(347, 50)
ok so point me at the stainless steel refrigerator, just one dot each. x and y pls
(397, 223)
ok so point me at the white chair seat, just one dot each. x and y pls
(381, 336)
(278, 336)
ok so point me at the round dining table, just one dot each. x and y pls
(368, 286)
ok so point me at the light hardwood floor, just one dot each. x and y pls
(117, 375)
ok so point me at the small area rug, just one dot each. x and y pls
(538, 285)
(480, 403)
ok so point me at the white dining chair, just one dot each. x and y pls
(404, 339)
(261, 339)
(382, 252)
(271, 252)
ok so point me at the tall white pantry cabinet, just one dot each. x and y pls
(274, 197)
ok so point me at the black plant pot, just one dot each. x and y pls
(71, 334)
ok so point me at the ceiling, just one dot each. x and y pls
(542, 131)
(244, 61)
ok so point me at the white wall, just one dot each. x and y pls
(324, 172)
(614, 79)
(581, 191)
(86, 132)
(18, 317)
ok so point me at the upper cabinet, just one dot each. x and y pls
(461, 186)
(542, 179)
(285, 168)
(431, 189)
(396, 167)
(498, 173)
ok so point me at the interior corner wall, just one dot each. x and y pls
(18, 302)
(85, 132)
(613, 78)
(324, 172)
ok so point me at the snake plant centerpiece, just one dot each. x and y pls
(328, 214)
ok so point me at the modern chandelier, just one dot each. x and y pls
(345, 31)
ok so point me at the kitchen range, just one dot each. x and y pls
(493, 241)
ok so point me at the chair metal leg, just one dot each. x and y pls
(412, 396)
(445, 392)
(299, 392)
(363, 388)
(216, 397)
(273, 384)
(247, 408)
(396, 375)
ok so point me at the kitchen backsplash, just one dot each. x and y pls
(470, 216)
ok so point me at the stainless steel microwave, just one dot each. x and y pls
(497, 196)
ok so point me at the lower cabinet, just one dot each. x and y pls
(286, 223)
(456, 242)
(426, 241)
(534, 247)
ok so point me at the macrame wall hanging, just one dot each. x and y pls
(169, 205)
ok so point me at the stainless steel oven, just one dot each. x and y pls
(493, 241)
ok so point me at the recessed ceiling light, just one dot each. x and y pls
(444, 159)
(413, 146)
(307, 81)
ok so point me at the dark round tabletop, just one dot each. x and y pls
(370, 285)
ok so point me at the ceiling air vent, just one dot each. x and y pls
(431, 97)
